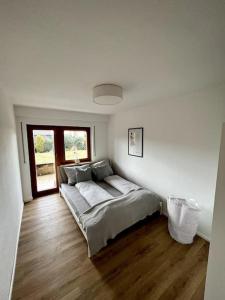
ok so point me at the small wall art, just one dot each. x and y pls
(135, 141)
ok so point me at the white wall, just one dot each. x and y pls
(181, 147)
(38, 116)
(11, 204)
(216, 265)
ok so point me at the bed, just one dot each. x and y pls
(101, 220)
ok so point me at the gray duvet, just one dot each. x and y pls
(78, 202)
(105, 220)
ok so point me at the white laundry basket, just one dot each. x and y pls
(183, 217)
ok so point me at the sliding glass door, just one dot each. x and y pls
(51, 146)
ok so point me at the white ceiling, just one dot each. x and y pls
(53, 52)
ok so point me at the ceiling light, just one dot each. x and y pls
(107, 94)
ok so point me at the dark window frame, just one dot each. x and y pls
(88, 132)
(59, 152)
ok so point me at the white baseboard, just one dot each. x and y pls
(28, 200)
(203, 236)
(15, 256)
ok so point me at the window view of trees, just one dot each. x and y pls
(77, 141)
(44, 159)
(75, 144)
(44, 147)
(73, 141)
(43, 143)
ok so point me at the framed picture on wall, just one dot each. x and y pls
(135, 141)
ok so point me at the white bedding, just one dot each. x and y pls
(93, 193)
(121, 184)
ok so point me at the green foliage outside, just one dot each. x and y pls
(48, 145)
(44, 148)
(43, 144)
(39, 143)
(71, 141)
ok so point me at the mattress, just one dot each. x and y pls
(79, 203)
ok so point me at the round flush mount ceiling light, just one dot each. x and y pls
(107, 94)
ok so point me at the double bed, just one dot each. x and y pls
(101, 219)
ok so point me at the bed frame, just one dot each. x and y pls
(62, 195)
(62, 179)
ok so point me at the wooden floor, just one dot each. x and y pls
(141, 263)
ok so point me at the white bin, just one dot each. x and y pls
(183, 217)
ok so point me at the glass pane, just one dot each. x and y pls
(44, 159)
(75, 144)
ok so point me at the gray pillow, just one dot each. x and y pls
(71, 173)
(83, 173)
(102, 171)
(100, 163)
